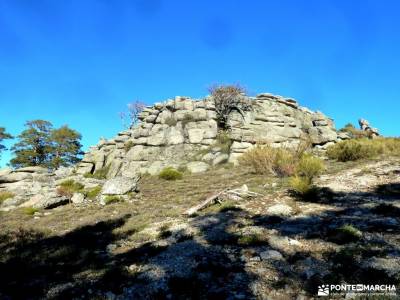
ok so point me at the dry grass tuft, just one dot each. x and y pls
(5, 195)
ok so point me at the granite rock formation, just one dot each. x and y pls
(183, 133)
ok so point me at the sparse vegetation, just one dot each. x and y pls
(223, 142)
(131, 117)
(93, 192)
(228, 206)
(354, 132)
(345, 234)
(99, 174)
(5, 195)
(72, 185)
(264, 159)
(356, 149)
(112, 199)
(351, 150)
(300, 185)
(225, 237)
(164, 231)
(187, 118)
(30, 211)
(253, 239)
(182, 168)
(171, 121)
(170, 173)
(69, 187)
(128, 146)
(309, 167)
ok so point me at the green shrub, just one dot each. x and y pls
(254, 239)
(300, 185)
(187, 118)
(351, 150)
(69, 187)
(228, 206)
(93, 192)
(171, 121)
(112, 199)
(128, 145)
(309, 167)
(345, 234)
(5, 195)
(30, 211)
(170, 173)
(99, 174)
(72, 185)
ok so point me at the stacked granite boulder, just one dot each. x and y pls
(30, 187)
(183, 133)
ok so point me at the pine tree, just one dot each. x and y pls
(3, 136)
(66, 147)
(41, 145)
(34, 146)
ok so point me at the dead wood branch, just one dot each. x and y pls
(235, 194)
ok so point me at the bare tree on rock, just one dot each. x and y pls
(227, 99)
(131, 117)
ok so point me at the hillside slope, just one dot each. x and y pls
(274, 246)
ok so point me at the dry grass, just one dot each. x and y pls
(151, 218)
(264, 159)
(5, 195)
(160, 199)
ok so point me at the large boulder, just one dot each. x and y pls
(78, 198)
(46, 201)
(15, 177)
(197, 167)
(120, 185)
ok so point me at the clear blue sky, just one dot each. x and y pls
(80, 62)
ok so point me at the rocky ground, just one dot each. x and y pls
(275, 246)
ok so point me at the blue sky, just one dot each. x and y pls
(80, 62)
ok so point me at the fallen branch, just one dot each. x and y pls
(204, 204)
(235, 194)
